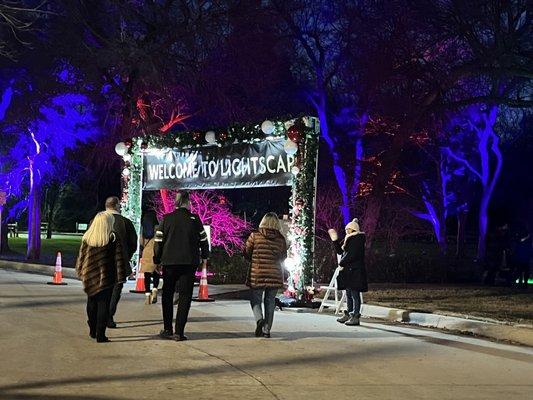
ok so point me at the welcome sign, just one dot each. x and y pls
(241, 165)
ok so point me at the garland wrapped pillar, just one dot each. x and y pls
(302, 229)
(131, 177)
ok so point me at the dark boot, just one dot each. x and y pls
(92, 329)
(166, 334)
(353, 321)
(344, 318)
(259, 328)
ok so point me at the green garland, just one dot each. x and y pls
(131, 202)
(302, 231)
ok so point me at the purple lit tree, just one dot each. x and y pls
(319, 31)
(484, 163)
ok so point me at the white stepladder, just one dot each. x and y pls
(332, 287)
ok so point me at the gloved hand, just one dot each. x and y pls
(333, 234)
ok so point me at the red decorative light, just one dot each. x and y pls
(223, 136)
(295, 134)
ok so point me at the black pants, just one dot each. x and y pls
(115, 297)
(150, 277)
(521, 273)
(98, 312)
(183, 276)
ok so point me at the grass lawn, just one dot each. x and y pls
(68, 246)
(500, 303)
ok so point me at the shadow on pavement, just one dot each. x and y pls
(388, 349)
(120, 326)
(220, 319)
(33, 396)
(45, 303)
(140, 321)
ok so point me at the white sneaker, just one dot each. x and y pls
(154, 296)
(147, 298)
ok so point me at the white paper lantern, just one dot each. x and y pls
(210, 137)
(126, 172)
(121, 148)
(295, 170)
(267, 127)
(126, 157)
(290, 147)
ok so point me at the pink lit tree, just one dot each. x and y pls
(228, 230)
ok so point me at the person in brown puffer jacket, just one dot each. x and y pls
(266, 249)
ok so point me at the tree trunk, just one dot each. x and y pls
(483, 223)
(371, 217)
(340, 176)
(168, 202)
(358, 167)
(34, 223)
(377, 197)
(461, 232)
(489, 142)
(4, 245)
(50, 198)
(443, 245)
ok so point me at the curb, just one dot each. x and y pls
(37, 269)
(499, 331)
(521, 334)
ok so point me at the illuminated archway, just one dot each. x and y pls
(277, 153)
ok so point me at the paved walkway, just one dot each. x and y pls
(47, 354)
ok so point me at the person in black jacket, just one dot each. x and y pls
(521, 257)
(352, 277)
(127, 235)
(180, 241)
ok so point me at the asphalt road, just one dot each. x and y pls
(46, 353)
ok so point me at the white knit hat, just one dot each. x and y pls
(353, 225)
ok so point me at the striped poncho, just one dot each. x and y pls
(100, 268)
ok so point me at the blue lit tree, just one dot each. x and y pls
(40, 141)
(320, 34)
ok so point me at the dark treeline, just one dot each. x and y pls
(424, 106)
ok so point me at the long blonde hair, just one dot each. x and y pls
(99, 232)
(270, 221)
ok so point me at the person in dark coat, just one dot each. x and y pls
(180, 241)
(521, 257)
(127, 235)
(100, 266)
(266, 249)
(149, 269)
(352, 276)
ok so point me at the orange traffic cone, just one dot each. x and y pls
(139, 282)
(203, 294)
(58, 275)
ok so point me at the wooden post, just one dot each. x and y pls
(2, 203)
